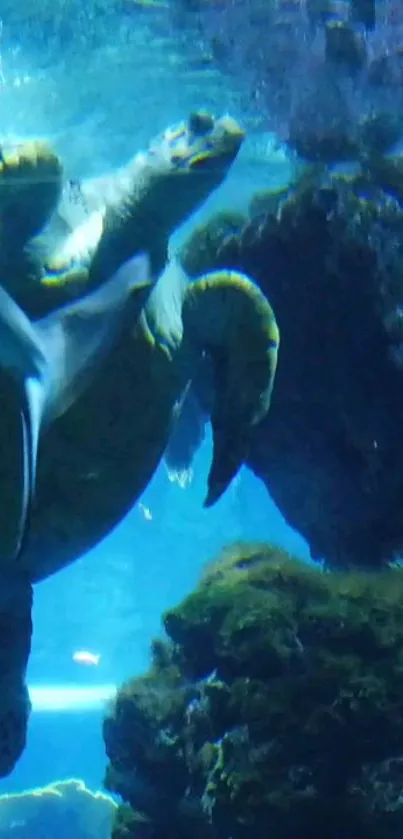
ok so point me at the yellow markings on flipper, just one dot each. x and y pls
(153, 340)
(31, 180)
(78, 247)
(76, 278)
(29, 163)
(227, 310)
(228, 316)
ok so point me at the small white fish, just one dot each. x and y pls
(145, 511)
(87, 658)
(182, 477)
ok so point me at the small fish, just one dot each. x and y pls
(87, 658)
(182, 477)
(52, 360)
(145, 511)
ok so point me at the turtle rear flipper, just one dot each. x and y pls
(230, 319)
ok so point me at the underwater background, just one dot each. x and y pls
(273, 705)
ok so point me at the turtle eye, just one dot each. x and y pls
(200, 123)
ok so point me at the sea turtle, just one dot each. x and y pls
(96, 459)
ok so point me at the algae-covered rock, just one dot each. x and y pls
(275, 708)
(63, 810)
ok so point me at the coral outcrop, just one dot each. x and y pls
(65, 809)
(329, 256)
(273, 709)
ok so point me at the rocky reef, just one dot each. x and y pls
(65, 809)
(274, 708)
(329, 255)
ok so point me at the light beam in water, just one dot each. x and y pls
(78, 698)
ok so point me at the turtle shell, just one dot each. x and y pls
(96, 459)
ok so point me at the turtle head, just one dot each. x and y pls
(202, 143)
(161, 187)
(190, 159)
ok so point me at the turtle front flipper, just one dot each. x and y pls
(31, 179)
(229, 318)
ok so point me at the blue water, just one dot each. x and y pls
(100, 88)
